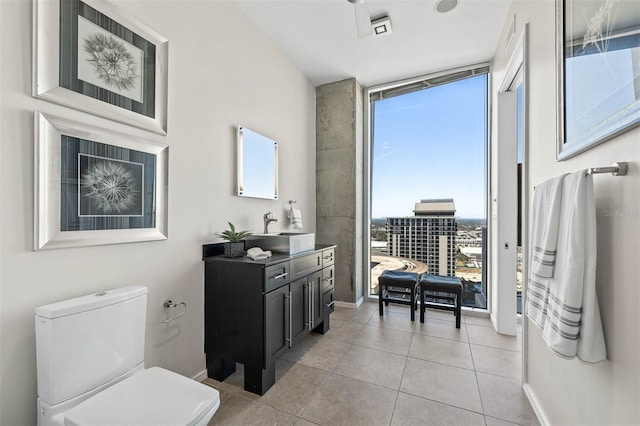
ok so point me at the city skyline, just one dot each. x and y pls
(431, 144)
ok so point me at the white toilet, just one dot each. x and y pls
(90, 359)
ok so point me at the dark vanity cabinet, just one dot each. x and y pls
(257, 310)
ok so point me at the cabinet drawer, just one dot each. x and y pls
(327, 304)
(328, 279)
(328, 257)
(303, 266)
(276, 276)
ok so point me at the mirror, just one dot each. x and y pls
(257, 165)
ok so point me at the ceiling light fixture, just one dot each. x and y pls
(444, 6)
(381, 26)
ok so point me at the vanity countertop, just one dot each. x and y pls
(213, 253)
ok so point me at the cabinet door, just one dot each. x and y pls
(315, 285)
(277, 317)
(299, 309)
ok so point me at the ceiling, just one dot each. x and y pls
(320, 37)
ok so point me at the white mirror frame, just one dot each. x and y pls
(47, 185)
(46, 66)
(613, 126)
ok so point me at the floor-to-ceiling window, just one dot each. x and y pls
(428, 171)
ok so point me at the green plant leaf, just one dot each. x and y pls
(232, 236)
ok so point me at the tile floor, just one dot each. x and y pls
(372, 370)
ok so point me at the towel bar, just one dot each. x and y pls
(170, 304)
(616, 169)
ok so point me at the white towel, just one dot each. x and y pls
(542, 254)
(295, 217)
(573, 326)
(571, 323)
(256, 253)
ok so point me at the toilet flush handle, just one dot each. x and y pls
(170, 304)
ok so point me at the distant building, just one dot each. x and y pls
(428, 236)
(464, 241)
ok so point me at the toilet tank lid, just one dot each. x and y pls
(90, 302)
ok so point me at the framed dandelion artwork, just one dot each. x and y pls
(598, 58)
(96, 186)
(89, 55)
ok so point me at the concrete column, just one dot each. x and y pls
(339, 152)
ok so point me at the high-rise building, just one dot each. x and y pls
(428, 236)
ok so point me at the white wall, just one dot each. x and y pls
(569, 392)
(222, 72)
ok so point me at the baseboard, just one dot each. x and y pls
(200, 376)
(349, 304)
(535, 405)
(472, 312)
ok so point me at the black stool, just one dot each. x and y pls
(398, 287)
(452, 286)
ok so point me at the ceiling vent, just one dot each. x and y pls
(381, 26)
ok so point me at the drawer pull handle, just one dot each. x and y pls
(327, 279)
(330, 304)
(290, 338)
(277, 277)
(328, 257)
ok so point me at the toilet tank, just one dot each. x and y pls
(88, 341)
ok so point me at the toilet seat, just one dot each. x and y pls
(152, 397)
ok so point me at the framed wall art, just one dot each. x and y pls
(95, 186)
(598, 58)
(91, 56)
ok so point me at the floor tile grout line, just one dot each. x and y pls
(505, 420)
(495, 347)
(381, 350)
(436, 318)
(323, 382)
(443, 403)
(395, 403)
(441, 338)
(366, 382)
(440, 402)
(475, 373)
(441, 363)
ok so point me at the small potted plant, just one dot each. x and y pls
(235, 245)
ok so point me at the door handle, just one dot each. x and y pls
(309, 305)
(288, 337)
(310, 298)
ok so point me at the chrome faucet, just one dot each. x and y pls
(268, 218)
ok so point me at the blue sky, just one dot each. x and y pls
(431, 144)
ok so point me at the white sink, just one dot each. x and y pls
(283, 242)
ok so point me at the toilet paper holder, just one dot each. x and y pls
(170, 304)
